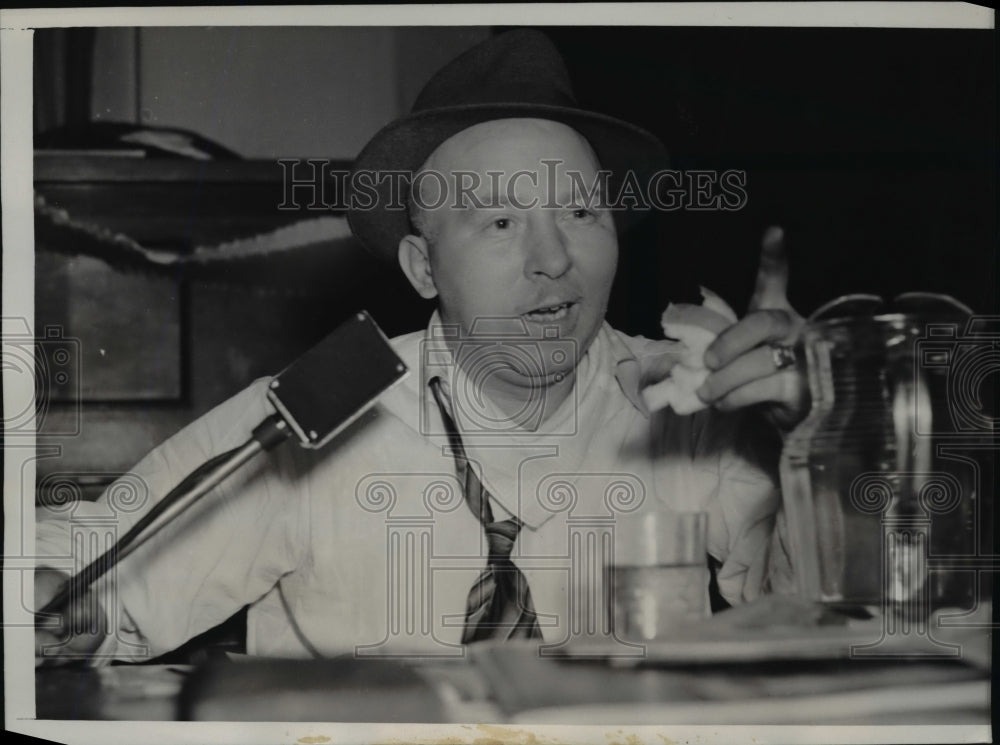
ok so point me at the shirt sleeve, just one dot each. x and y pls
(725, 464)
(227, 550)
(748, 531)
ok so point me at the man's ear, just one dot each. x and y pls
(415, 261)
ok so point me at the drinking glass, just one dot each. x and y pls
(659, 578)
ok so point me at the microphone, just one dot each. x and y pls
(316, 397)
(333, 383)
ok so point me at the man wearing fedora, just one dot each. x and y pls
(470, 502)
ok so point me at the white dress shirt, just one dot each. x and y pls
(367, 545)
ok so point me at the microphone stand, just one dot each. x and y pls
(266, 436)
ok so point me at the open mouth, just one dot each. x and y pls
(550, 312)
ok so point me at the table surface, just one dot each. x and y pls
(763, 675)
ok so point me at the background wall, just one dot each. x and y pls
(270, 92)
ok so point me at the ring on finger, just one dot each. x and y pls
(783, 356)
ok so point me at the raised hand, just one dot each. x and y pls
(753, 361)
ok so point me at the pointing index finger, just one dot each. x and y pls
(772, 275)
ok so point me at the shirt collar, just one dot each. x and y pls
(426, 354)
(435, 359)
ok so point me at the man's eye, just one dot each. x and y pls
(501, 223)
(582, 213)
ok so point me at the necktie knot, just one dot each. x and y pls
(501, 537)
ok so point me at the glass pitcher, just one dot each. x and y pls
(880, 509)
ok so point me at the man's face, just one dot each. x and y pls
(521, 244)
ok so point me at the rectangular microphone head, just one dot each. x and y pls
(329, 386)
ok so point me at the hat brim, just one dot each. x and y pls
(405, 144)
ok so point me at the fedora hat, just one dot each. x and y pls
(517, 74)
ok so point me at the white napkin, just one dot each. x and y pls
(695, 327)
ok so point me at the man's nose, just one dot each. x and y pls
(547, 248)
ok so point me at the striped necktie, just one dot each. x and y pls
(499, 604)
